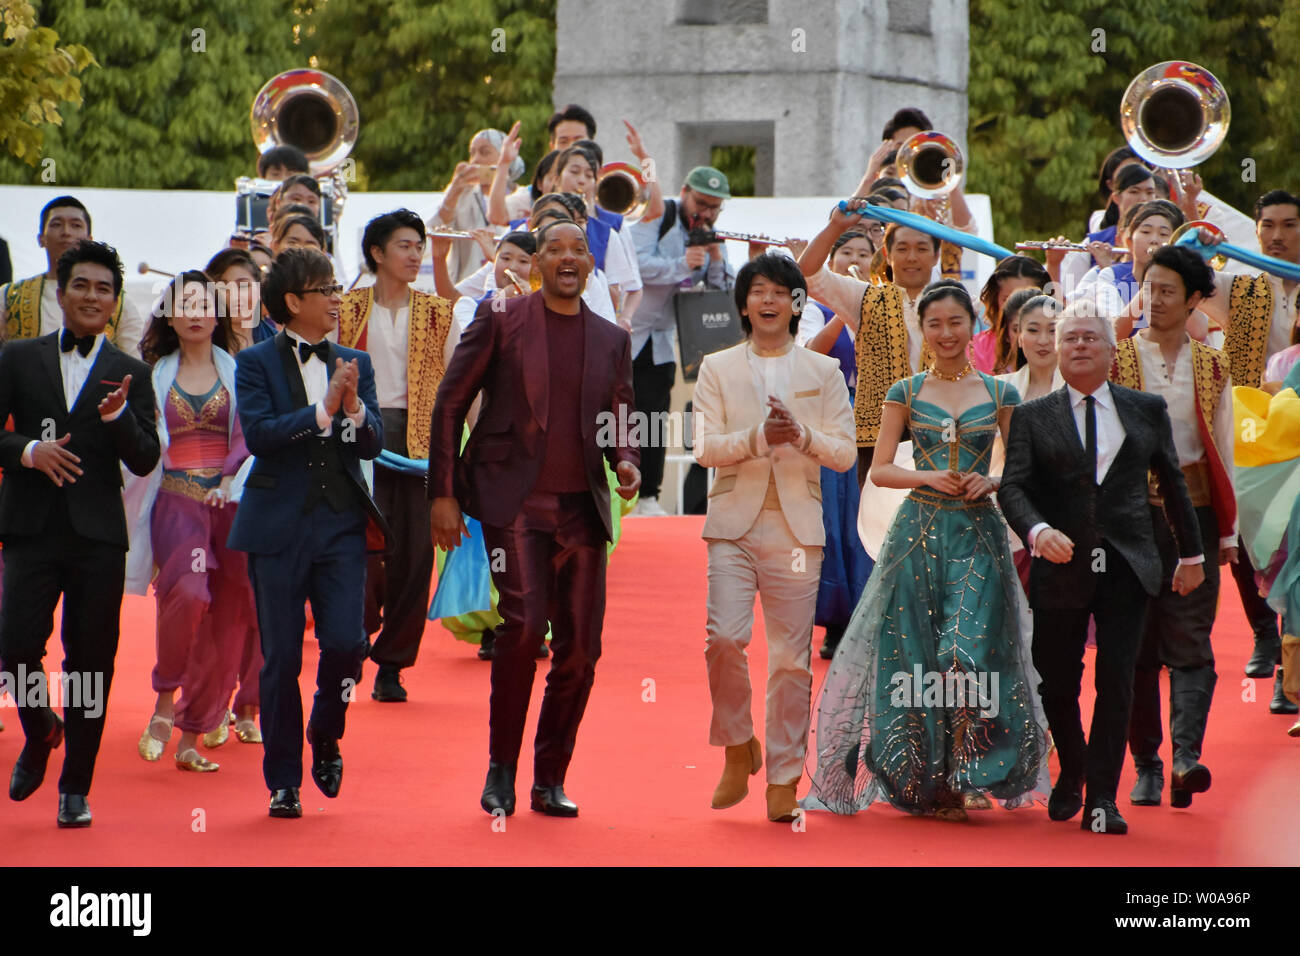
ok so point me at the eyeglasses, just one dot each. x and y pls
(1087, 339)
(326, 290)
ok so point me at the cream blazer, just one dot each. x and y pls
(728, 416)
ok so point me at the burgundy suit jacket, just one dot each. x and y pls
(504, 354)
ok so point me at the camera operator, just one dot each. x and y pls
(669, 261)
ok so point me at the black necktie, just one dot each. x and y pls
(321, 350)
(1090, 434)
(82, 343)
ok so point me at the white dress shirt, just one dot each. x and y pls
(1177, 386)
(74, 368)
(1110, 435)
(386, 342)
(316, 381)
(844, 296)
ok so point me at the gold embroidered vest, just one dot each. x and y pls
(429, 321)
(1250, 316)
(1210, 372)
(23, 310)
(882, 356)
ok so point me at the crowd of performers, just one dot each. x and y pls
(285, 443)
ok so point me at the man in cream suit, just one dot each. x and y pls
(768, 416)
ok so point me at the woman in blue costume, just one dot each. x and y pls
(928, 703)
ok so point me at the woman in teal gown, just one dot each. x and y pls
(929, 703)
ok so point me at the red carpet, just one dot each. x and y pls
(643, 773)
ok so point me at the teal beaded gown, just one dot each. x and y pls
(930, 696)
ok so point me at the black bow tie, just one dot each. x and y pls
(321, 350)
(83, 343)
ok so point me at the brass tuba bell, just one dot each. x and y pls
(620, 190)
(1175, 114)
(308, 109)
(930, 165)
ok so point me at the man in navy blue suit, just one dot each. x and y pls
(309, 414)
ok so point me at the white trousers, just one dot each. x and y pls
(768, 561)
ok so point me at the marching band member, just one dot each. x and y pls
(1259, 315)
(29, 308)
(883, 318)
(410, 336)
(1193, 379)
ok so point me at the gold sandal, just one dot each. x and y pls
(150, 746)
(192, 760)
(951, 814)
(247, 731)
(977, 801)
(215, 738)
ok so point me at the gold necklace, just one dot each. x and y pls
(946, 377)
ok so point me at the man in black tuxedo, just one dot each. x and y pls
(309, 414)
(1075, 489)
(80, 407)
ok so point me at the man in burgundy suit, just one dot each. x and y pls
(551, 372)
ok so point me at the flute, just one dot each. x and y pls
(1072, 246)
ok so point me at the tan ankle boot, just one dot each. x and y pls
(743, 761)
(781, 803)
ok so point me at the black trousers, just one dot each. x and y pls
(553, 569)
(89, 575)
(1119, 607)
(1262, 618)
(1177, 631)
(397, 584)
(652, 387)
(326, 564)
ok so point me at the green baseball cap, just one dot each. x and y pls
(709, 181)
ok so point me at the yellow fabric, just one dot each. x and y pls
(1268, 426)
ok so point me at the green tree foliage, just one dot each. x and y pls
(168, 107)
(1047, 77)
(427, 73)
(36, 75)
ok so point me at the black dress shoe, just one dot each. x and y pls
(285, 803)
(388, 685)
(499, 790)
(1264, 659)
(552, 802)
(326, 763)
(74, 811)
(1066, 799)
(29, 770)
(1106, 816)
(1193, 779)
(487, 645)
(1279, 704)
(1147, 790)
